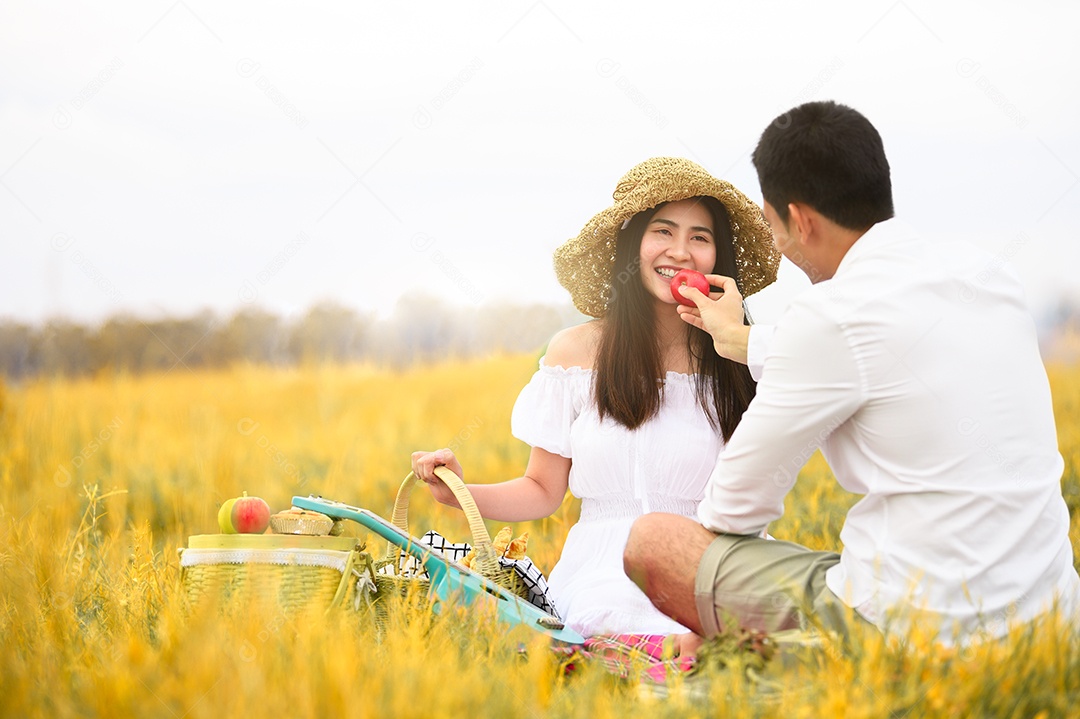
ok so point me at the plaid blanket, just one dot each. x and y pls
(640, 656)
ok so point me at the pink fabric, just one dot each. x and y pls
(622, 654)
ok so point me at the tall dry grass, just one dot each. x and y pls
(101, 480)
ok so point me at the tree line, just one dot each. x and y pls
(419, 330)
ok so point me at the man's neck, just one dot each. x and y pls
(838, 241)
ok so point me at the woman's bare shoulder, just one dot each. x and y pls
(574, 346)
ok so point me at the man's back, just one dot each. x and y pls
(953, 437)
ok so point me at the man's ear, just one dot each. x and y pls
(801, 221)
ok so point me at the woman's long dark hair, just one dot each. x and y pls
(628, 363)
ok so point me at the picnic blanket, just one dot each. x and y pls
(643, 656)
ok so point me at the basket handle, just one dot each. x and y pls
(485, 552)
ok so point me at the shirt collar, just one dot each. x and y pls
(879, 235)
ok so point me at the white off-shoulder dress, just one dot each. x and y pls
(619, 474)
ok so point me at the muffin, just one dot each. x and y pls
(300, 521)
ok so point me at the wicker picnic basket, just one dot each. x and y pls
(393, 576)
(286, 572)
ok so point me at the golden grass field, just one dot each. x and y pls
(102, 479)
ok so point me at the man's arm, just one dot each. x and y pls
(757, 346)
(810, 387)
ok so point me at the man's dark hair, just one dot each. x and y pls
(829, 157)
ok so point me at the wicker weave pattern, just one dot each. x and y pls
(289, 580)
(485, 553)
(388, 579)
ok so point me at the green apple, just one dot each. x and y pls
(224, 516)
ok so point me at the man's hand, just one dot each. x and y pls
(719, 314)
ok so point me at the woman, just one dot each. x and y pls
(631, 409)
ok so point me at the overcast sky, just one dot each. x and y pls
(168, 156)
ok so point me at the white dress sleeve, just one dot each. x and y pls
(548, 406)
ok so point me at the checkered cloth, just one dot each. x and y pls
(530, 575)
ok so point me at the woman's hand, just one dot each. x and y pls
(424, 464)
(534, 496)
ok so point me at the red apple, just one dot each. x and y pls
(250, 515)
(692, 278)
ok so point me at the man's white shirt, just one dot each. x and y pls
(915, 369)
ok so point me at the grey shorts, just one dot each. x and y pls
(768, 585)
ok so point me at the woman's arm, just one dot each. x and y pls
(541, 490)
(534, 496)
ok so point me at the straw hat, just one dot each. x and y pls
(584, 264)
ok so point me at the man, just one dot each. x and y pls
(921, 382)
